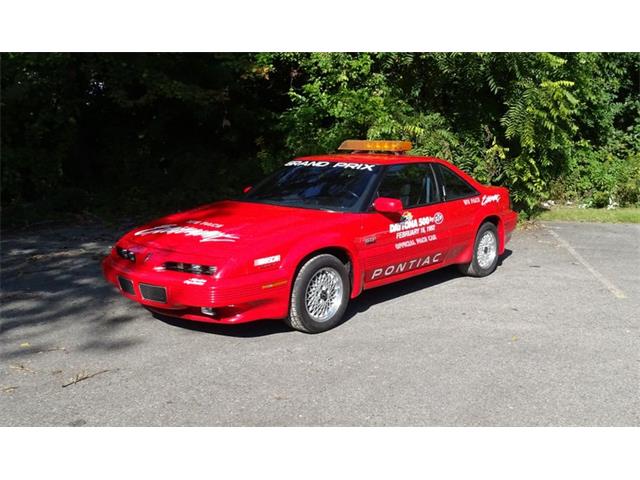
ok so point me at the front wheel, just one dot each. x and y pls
(485, 252)
(320, 294)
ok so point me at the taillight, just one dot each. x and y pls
(194, 268)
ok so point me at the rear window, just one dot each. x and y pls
(452, 186)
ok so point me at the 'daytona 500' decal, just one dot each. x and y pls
(415, 231)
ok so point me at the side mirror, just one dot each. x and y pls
(246, 189)
(388, 205)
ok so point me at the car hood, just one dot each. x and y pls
(225, 226)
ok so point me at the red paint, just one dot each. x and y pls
(387, 205)
(256, 248)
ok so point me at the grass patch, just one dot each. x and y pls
(599, 215)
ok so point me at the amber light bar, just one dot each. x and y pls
(376, 145)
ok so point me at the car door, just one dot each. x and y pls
(462, 202)
(392, 245)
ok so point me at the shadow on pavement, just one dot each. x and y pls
(361, 304)
(52, 283)
(405, 287)
(259, 328)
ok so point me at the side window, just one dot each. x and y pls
(412, 183)
(452, 186)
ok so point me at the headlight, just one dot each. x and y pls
(194, 268)
(126, 254)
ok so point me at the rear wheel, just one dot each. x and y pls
(485, 252)
(320, 294)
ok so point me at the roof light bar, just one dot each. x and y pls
(376, 145)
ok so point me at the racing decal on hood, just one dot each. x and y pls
(486, 199)
(205, 235)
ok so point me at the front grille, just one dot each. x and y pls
(153, 293)
(126, 285)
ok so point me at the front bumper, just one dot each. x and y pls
(263, 295)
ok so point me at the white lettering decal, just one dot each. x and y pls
(259, 262)
(205, 235)
(408, 233)
(409, 265)
(206, 224)
(306, 163)
(313, 163)
(408, 243)
(416, 241)
(195, 281)
(486, 199)
(409, 223)
(354, 166)
(471, 201)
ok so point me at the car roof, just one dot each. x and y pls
(373, 158)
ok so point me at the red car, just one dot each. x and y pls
(311, 236)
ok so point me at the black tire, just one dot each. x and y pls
(474, 268)
(300, 317)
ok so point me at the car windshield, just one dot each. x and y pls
(322, 185)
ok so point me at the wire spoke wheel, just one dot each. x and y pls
(323, 296)
(487, 249)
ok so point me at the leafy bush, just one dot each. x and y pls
(604, 175)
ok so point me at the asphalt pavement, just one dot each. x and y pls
(550, 339)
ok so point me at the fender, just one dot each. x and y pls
(489, 211)
(467, 253)
(323, 242)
